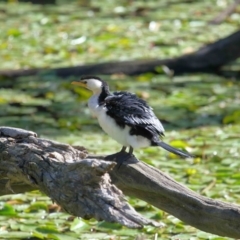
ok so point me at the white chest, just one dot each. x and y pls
(93, 105)
(108, 124)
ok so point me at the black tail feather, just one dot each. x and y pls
(174, 150)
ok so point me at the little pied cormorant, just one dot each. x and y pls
(125, 117)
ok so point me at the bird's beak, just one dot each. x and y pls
(79, 83)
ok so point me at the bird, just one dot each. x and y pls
(125, 117)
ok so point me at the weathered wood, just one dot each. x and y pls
(81, 186)
(86, 189)
(209, 58)
(153, 186)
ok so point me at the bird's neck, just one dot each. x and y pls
(102, 94)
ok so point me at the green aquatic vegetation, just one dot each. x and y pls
(200, 112)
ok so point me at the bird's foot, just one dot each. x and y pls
(119, 158)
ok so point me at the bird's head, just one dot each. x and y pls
(94, 84)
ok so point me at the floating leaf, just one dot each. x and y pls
(7, 210)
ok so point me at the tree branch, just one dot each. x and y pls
(86, 190)
(209, 58)
(158, 189)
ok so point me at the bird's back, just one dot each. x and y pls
(128, 109)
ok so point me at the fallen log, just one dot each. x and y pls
(91, 186)
(81, 186)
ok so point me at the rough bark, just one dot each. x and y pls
(83, 180)
(209, 58)
(160, 190)
(81, 186)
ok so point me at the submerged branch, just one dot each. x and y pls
(209, 58)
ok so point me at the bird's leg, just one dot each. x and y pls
(130, 150)
(117, 155)
(123, 149)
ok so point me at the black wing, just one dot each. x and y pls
(127, 109)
